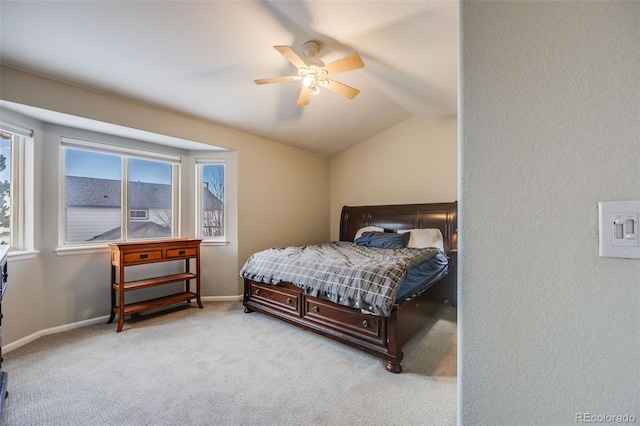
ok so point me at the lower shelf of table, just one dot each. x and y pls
(159, 302)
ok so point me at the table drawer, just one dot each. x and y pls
(142, 256)
(344, 319)
(181, 252)
(278, 297)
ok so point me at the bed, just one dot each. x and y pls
(381, 332)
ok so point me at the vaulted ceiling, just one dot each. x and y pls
(200, 58)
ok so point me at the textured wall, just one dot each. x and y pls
(550, 125)
(415, 161)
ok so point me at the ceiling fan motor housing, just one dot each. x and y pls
(311, 48)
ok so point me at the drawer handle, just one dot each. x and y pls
(144, 256)
(289, 300)
(316, 309)
(181, 252)
(365, 323)
(257, 291)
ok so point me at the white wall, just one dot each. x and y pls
(550, 119)
(276, 195)
(415, 161)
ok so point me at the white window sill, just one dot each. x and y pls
(103, 248)
(214, 243)
(88, 249)
(22, 254)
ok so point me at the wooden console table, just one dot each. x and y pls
(145, 252)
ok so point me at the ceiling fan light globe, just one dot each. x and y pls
(310, 80)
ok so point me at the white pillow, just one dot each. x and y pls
(367, 229)
(423, 238)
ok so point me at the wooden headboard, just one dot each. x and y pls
(443, 216)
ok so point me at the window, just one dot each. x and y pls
(16, 186)
(118, 194)
(5, 188)
(138, 214)
(211, 208)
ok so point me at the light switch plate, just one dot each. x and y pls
(618, 229)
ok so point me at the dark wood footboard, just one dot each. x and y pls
(383, 337)
(373, 334)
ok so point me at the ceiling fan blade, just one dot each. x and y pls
(291, 55)
(347, 63)
(342, 89)
(305, 97)
(277, 79)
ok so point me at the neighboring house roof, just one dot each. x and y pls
(94, 192)
(137, 230)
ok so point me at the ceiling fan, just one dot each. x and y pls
(314, 73)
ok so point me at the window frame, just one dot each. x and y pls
(200, 162)
(22, 193)
(125, 154)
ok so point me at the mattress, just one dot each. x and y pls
(423, 275)
(342, 272)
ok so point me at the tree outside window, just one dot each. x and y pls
(213, 200)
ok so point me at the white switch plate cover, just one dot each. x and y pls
(618, 229)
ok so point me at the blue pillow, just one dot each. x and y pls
(383, 240)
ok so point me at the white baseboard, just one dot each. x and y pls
(99, 320)
(59, 329)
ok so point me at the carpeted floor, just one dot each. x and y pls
(220, 366)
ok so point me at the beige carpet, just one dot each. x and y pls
(220, 366)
